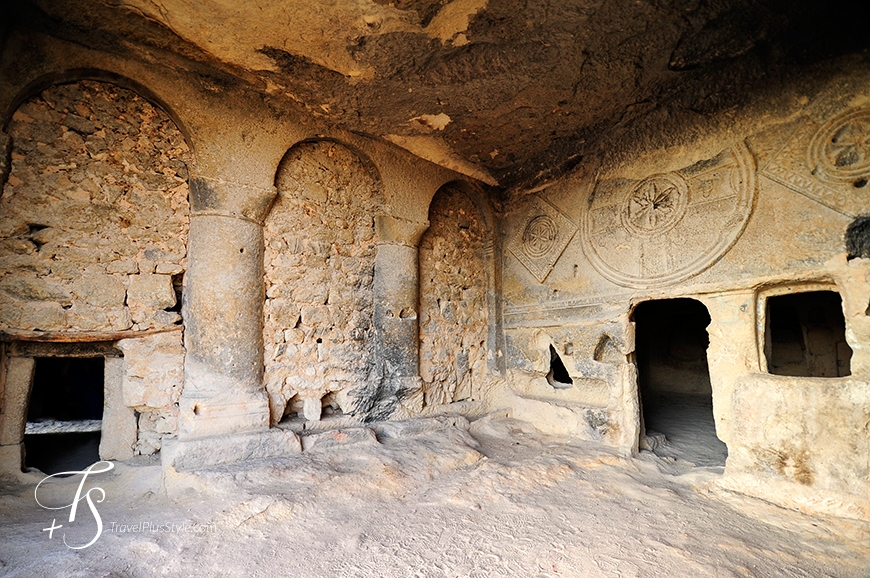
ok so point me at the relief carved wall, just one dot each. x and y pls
(669, 227)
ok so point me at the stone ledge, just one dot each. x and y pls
(338, 438)
(189, 455)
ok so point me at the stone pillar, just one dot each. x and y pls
(119, 429)
(13, 412)
(223, 311)
(396, 299)
(733, 350)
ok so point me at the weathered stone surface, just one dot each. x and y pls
(152, 381)
(150, 292)
(82, 215)
(17, 379)
(453, 309)
(319, 266)
(337, 438)
(119, 424)
(189, 455)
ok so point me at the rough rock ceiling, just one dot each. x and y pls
(523, 89)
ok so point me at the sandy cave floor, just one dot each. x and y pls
(432, 498)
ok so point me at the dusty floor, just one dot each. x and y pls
(687, 423)
(431, 499)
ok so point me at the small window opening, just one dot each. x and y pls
(64, 414)
(806, 335)
(558, 376)
(177, 288)
(676, 397)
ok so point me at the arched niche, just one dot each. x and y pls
(94, 214)
(459, 320)
(320, 249)
(94, 219)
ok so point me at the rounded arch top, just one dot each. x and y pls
(476, 193)
(72, 75)
(363, 158)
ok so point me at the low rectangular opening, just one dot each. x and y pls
(64, 413)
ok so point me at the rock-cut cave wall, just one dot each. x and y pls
(93, 235)
(453, 305)
(319, 267)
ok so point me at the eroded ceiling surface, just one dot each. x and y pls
(522, 89)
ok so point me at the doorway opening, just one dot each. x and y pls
(64, 414)
(674, 381)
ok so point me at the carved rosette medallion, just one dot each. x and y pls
(668, 227)
(840, 150)
(540, 243)
(655, 205)
(828, 161)
(539, 236)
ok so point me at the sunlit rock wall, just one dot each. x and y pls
(93, 237)
(730, 220)
(453, 308)
(94, 214)
(319, 266)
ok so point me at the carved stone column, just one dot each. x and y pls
(223, 311)
(15, 384)
(396, 287)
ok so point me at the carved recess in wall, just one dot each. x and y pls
(670, 226)
(540, 242)
(828, 162)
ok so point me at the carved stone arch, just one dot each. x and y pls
(72, 75)
(459, 316)
(95, 224)
(320, 249)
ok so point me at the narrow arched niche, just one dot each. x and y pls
(319, 261)
(454, 321)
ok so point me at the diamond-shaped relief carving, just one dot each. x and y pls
(828, 162)
(543, 238)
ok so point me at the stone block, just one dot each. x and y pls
(16, 393)
(151, 291)
(12, 460)
(29, 288)
(99, 290)
(189, 455)
(119, 429)
(125, 266)
(337, 438)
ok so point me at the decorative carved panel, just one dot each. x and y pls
(670, 226)
(828, 162)
(540, 243)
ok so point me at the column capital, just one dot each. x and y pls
(397, 231)
(211, 196)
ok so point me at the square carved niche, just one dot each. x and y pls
(803, 331)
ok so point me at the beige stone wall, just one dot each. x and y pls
(453, 308)
(153, 376)
(319, 266)
(94, 215)
(730, 222)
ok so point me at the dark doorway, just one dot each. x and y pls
(806, 335)
(674, 381)
(66, 404)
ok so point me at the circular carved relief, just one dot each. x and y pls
(669, 227)
(655, 205)
(840, 150)
(539, 236)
